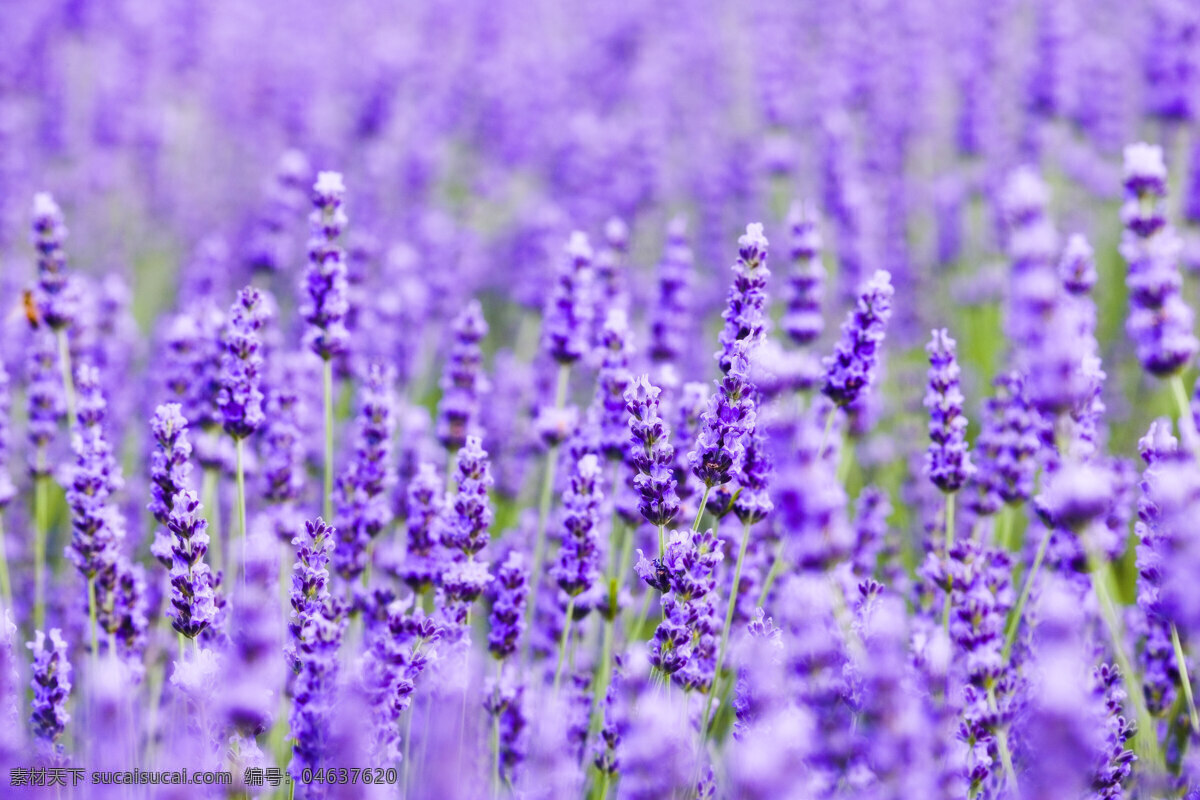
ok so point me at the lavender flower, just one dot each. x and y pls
(1159, 323)
(316, 634)
(947, 462)
(467, 529)
(44, 399)
(670, 322)
(463, 382)
(650, 453)
(363, 492)
(170, 471)
(802, 321)
(240, 398)
(579, 559)
(56, 296)
(96, 527)
(422, 561)
(851, 368)
(51, 686)
(745, 321)
(1006, 448)
(191, 582)
(399, 651)
(720, 445)
(612, 384)
(507, 619)
(283, 201)
(566, 320)
(324, 290)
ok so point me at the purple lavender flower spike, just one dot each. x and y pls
(192, 601)
(612, 384)
(316, 630)
(422, 565)
(44, 399)
(96, 527)
(399, 650)
(611, 280)
(51, 687)
(240, 398)
(284, 200)
(720, 445)
(1077, 268)
(566, 319)
(56, 295)
(803, 321)
(1159, 323)
(745, 320)
(507, 619)
(579, 559)
(1006, 448)
(170, 471)
(753, 500)
(363, 506)
(325, 289)
(670, 321)
(464, 382)
(947, 461)
(12, 732)
(650, 453)
(467, 529)
(851, 368)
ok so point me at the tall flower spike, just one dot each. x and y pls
(650, 453)
(507, 620)
(851, 368)
(325, 285)
(96, 527)
(56, 296)
(802, 321)
(579, 561)
(170, 471)
(670, 321)
(284, 201)
(612, 383)
(1007, 446)
(421, 565)
(240, 398)
(192, 603)
(463, 382)
(44, 400)
(565, 322)
(363, 493)
(467, 530)
(51, 686)
(947, 461)
(1159, 323)
(745, 319)
(720, 445)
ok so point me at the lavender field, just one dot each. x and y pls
(764, 399)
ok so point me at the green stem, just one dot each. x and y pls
(733, 593)
(949, 544)
(1004, 527)
(1145, 741)
(539, 544)
(1014, 624)
(41, 526)
(1005, 753)
(695, 523)
(239, 445)
(327, 391)
(1183, 677)
(562, 645)
(5, 584)
(605, 668)
(68, 379)
(635, 630)
(825, 434)
(772, 573)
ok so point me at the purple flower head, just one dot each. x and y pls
(363, 506)
(56, 296)
(752, 502)
(1077, 268)
(170, 470)
(425, 501)
(284, 448)
(744, 315)
(579, 558)
(316, 629)
(851, 368)
(670, 321)
(1007, 446)
(1077, 494)
(947, 461)
(192, 601)
(96, 525)
(326, 303)
(467, 528)
(463, 382)
(612, 383)
(720, 444)
(284, 200)
(610, 269)
(51, 686)
(240, 398)
(44, 399)
(1159, 322)
(803, 321)
(650, 453)
(566, 319)
(507, 620)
